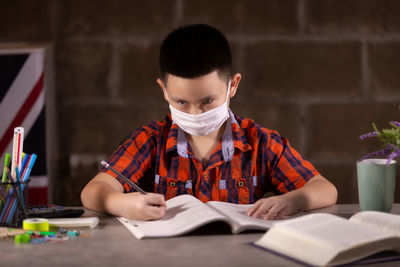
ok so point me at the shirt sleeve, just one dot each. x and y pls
(133, 157)
(288, 169)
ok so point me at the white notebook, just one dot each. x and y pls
(82, 222)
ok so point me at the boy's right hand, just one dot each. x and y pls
(105, 194)
(137, 206)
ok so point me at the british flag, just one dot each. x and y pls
(22, 103)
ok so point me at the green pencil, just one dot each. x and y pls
(6, 163)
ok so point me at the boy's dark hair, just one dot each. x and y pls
(195, 50)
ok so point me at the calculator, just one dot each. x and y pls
(52, 211)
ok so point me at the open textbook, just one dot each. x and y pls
(323, 239)
(186, 213)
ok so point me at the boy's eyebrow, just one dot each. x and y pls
(207, 97)
(210, 96)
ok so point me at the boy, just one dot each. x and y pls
(202, 148)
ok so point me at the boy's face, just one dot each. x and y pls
(197, 95)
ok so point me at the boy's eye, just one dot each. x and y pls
(181, 102)
(208, 101)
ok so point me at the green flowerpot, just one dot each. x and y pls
(376, 184)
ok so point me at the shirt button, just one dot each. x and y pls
(240, 184)
(172, 184)
(205, 175)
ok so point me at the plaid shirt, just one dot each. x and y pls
(249, 161)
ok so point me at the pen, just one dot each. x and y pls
(120, 175)
(17, 192)
(28, 167)
(18, 178)
(24, 161)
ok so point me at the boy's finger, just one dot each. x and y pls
(273, 213)
(153, 199)
(253, 208)
(156, 212)
(263, 209)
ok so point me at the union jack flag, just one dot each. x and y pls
(22, 103)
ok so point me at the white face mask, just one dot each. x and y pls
(203, 123)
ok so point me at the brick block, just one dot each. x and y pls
(344, 177)
(357, 16)
(282, 69)
(25, 20)
(82, 70)
(99, 129)
(80, 169)
(384, 66)
(237, 65)
(139, 72)
(116, 18)
(334, 129)
(69, 187)
(280, 117)
(239, 16)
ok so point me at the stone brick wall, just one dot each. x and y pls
(318, 71)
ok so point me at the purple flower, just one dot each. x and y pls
(394, 154)
(367, 135)
(373, 154)
(395, 123)
(389, 137)
(382, 152)
(388, 149)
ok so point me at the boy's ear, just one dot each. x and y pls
(235, 80)
(162, 86)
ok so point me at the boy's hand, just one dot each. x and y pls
(316, 193)
(143, 207)
(273, 208)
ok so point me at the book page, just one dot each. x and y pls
(332, 231)
(184, 213)
(237, 214)
(384, 221)
(325, 239)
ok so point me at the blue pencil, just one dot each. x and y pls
(25, 177)
(24, 161)
(9, 197)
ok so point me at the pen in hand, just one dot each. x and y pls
(123, 177)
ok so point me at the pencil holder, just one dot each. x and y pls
(14, 198)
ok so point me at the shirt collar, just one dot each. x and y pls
(232, 137)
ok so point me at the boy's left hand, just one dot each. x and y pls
(273, 208)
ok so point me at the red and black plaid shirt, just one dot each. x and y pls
(249, 161)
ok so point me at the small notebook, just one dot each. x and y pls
(83, 222)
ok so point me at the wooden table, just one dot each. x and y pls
(111, 244)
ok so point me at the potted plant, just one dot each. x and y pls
(376, 176)
(390, 139)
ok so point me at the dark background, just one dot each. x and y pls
(318, 71)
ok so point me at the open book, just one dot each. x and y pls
(323, 239)
(186, 213)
